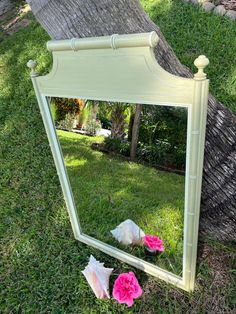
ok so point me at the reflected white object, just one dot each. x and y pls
(98, 277)
(103, 132)
(128, 233)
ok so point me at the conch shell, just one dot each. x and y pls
(98, 277)
(128, 233)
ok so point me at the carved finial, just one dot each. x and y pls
(32, 65)
(201, 62)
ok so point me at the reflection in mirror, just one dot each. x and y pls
(126, 164)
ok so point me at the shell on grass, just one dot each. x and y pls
(98, 277)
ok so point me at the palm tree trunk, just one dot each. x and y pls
(118, 122)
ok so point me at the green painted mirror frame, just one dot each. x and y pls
(123, 68)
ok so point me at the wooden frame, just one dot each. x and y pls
(123, 68)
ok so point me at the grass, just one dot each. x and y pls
(41, 263)
(191, 32)
(113, 190)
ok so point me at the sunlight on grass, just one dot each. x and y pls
(109, 190)
(71, 161)
(61, 216)
(163, 6)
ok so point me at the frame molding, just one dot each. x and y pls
(123, 68)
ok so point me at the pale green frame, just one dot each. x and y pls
(123, 68)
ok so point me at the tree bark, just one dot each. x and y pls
(5, 6)
(131, 123)
(135, 129)
(94, 110)
(118, 122)
(78, 18)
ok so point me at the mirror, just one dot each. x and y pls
(118, 185)
(126, 163)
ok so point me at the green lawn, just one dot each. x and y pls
(192, 32)
(109, 190)
(41, 263)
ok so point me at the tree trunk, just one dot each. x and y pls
(6, 6)
(78, 18)
(131, 123)
(135, 128)
(118, 122)
(94, 110)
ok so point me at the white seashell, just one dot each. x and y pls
(98, 277)
(128, 233)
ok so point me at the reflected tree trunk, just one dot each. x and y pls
(78, 18)
(135, 129)
(118, 121)
(94, 110)
(131, 122)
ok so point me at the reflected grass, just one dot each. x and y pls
(109, 190)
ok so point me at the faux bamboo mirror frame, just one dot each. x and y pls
(123, 68)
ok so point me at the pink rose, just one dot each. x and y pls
(126, 288)
(153, 242)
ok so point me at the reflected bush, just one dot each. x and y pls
(68, 123)
(117, 146)
(93, 126)
(163, 124)
(63, 106)
(161, 154)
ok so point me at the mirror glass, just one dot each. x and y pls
(126, 166)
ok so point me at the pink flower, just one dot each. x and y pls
(153, 242)
(126, 288)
